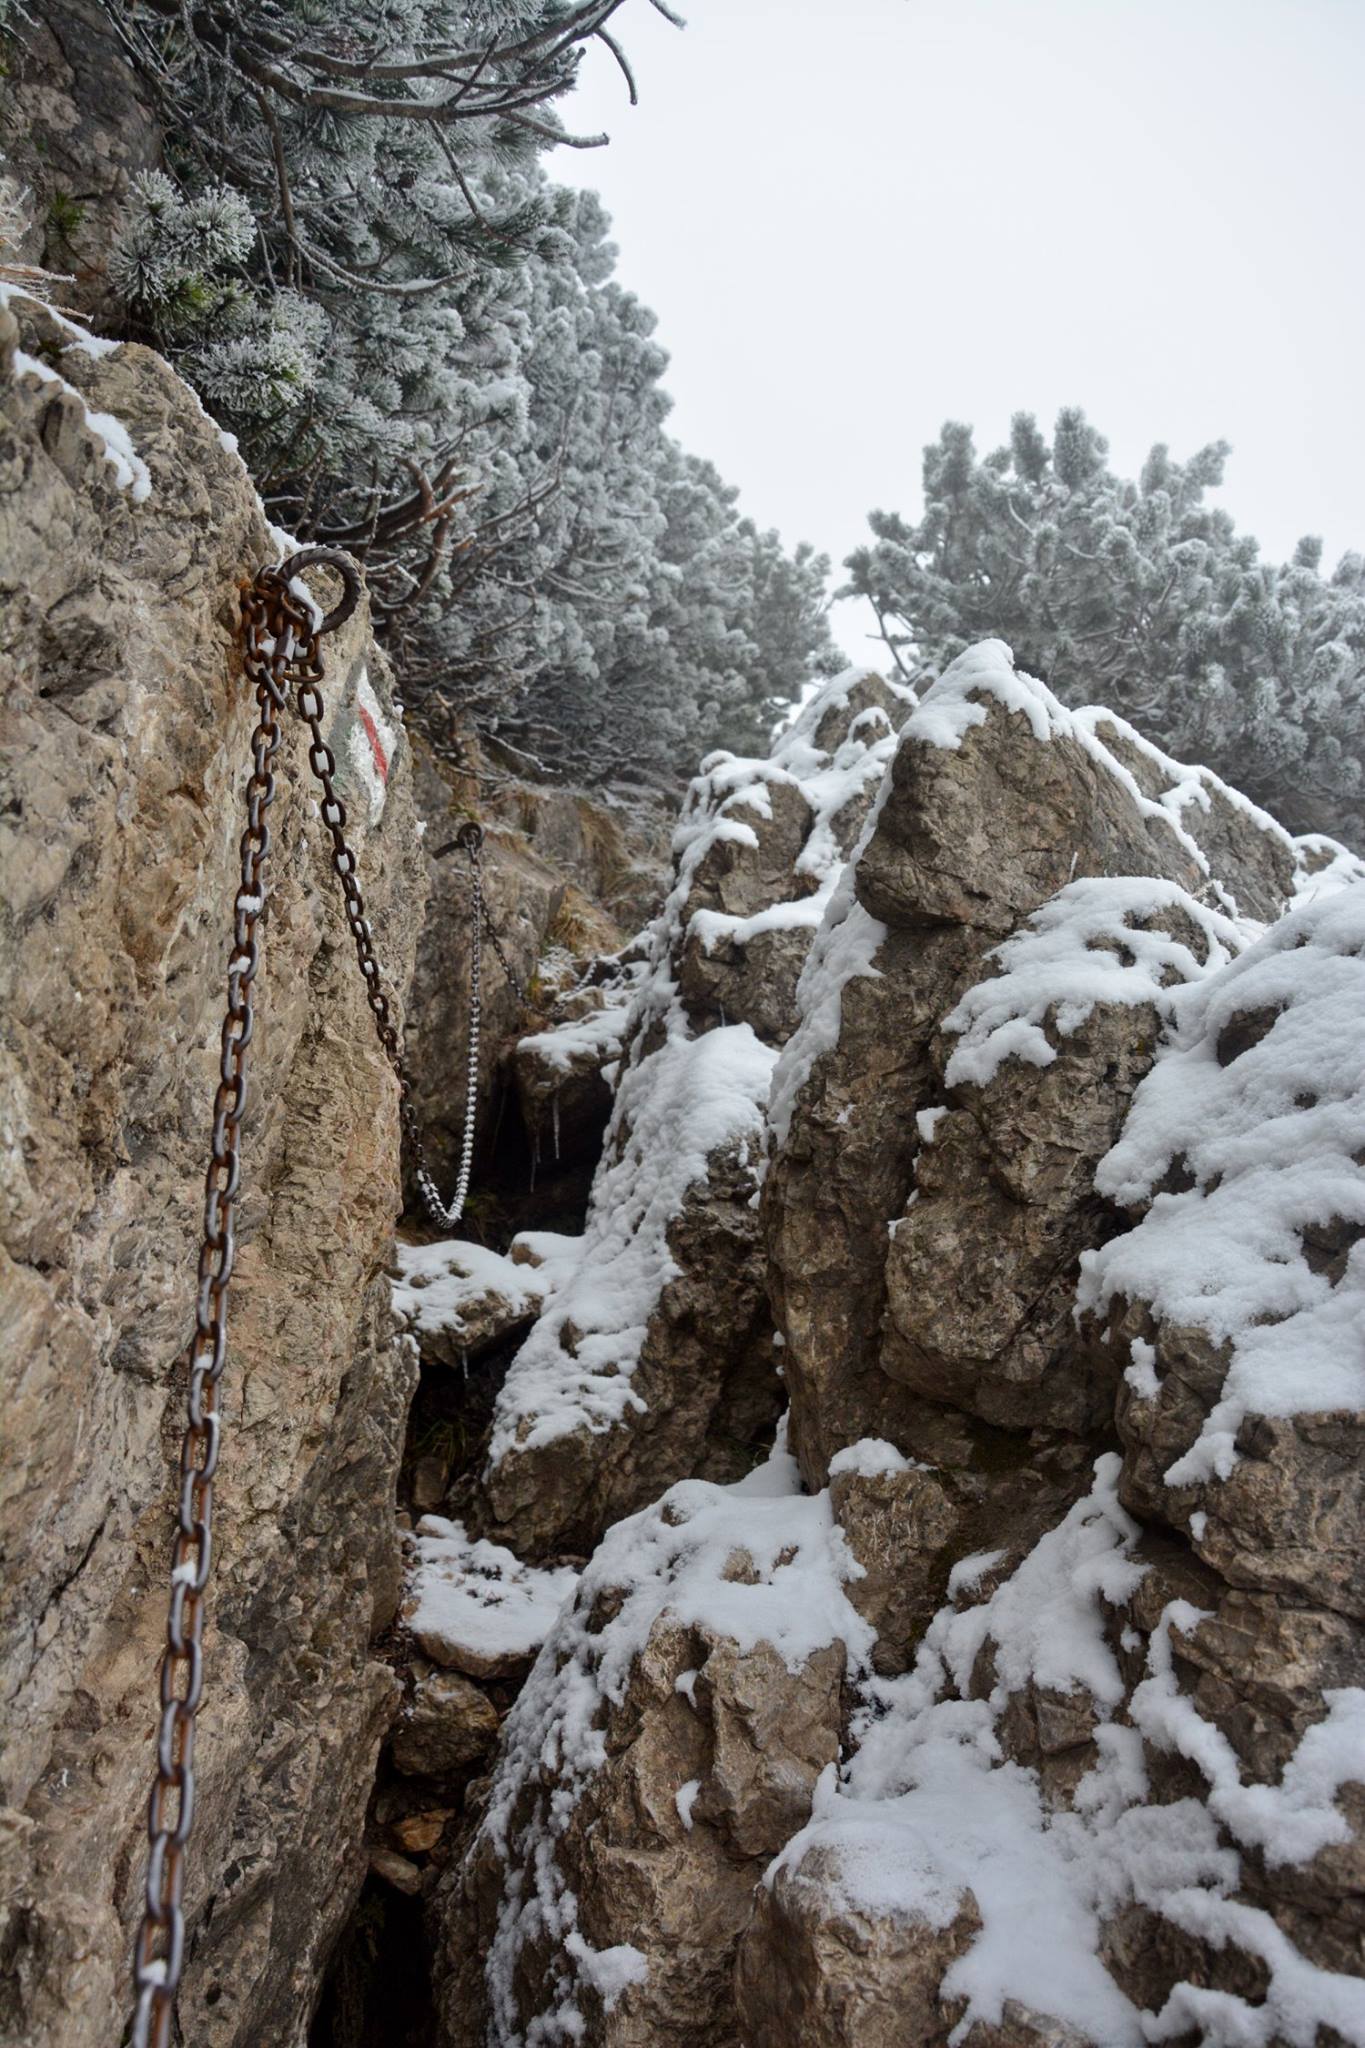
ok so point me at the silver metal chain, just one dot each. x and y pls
(468, 840)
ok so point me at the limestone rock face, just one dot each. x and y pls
(890, 1510)
(127, 723)
(981, 1267)
(1161, 1656)
(74, 130)
(843, 1978)
(752, 1739)
(610, 845)
(523, 893)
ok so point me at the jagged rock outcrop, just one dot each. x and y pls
(998, 800)
(1177, 1708)
(75, 129)
(653, 1357)
(1064, 1210)
(126, 525)
(757, 887)
(690, 1707)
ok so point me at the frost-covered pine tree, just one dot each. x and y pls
(356, 256)
(1139, 595)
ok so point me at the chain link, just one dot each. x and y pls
(281, 637)
(522, 995)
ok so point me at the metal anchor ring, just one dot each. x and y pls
(468, 839)
(342, 566)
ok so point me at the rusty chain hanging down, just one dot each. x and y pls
(282, 648)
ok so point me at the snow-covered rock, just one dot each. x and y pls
(1005, 822)
(757, 890)
(654, 1360)
(456, 1297)
(666, 1745)
(561, 1073)
(1065, 1151)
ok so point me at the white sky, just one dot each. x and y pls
(857, 220)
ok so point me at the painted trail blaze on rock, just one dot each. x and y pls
(367, 742)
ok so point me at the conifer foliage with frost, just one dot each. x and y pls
(1137, 595)
(354, 254)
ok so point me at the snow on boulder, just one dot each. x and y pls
(474, 1607)
(1004, 819)
(1236, 1304)
(666, 1745)
(660, 1314)
(1037, 1819)
(1069, 1742)
(655, 1360)
(456, 1297)
(563, 1075)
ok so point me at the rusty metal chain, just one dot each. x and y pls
(522, 994)
(281, 635)
(469, 840)
(281, 638)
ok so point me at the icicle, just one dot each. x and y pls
(535, 1155)
(554, 1120)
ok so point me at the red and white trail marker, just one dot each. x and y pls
(371, 743)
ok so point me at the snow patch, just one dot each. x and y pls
(131, 473)
(1262, 1097)
(478, 1597)
(439, 1283)
(1097, 941)
(591, 1040)
(870, 1458)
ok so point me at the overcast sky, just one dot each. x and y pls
(858, 220)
